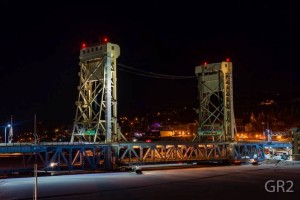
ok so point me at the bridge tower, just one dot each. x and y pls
(96, 107)
(216, 114)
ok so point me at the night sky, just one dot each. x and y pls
(40, 44)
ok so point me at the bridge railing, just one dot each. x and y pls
(48, 144)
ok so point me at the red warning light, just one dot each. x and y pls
(205, 63)
(83, 45)
(227, 59)
(105, 39)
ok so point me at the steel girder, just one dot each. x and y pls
(96, 156)
(250, 151)
(68, 158)
(170, 152)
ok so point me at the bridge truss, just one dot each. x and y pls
(216, 114)
(96, 107)
(100, 156)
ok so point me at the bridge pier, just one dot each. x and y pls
(108, 158)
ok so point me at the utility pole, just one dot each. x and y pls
(11, 133)
(35, 162)
(34, 131)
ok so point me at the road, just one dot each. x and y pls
(222, 182)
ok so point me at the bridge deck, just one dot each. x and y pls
(87, 155)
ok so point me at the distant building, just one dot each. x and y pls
(239, 125)
(249, 128)
(180, 130)
(186, 129)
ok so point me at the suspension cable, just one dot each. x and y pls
(139, 72)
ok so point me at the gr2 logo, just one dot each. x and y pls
(279, 186)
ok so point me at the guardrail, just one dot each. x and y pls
(49, 144)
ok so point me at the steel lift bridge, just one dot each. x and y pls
(97, 142)
(216, 114)
(96, 113)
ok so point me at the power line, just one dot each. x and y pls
(139, 72)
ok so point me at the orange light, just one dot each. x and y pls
(83, 45)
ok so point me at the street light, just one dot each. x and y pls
(8, 125)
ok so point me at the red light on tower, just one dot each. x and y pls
(83, 45)
(227, 59)
(205, 63)
(105, 39)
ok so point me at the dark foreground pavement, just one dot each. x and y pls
(222, 182)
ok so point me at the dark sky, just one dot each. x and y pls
(40, 44)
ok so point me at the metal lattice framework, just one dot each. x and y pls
(251, 150)
(56, 156)
(170, 152)
(216, 114)
(96, 113)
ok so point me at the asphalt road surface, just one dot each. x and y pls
(223, 182)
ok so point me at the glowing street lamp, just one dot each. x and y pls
(8, 125)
